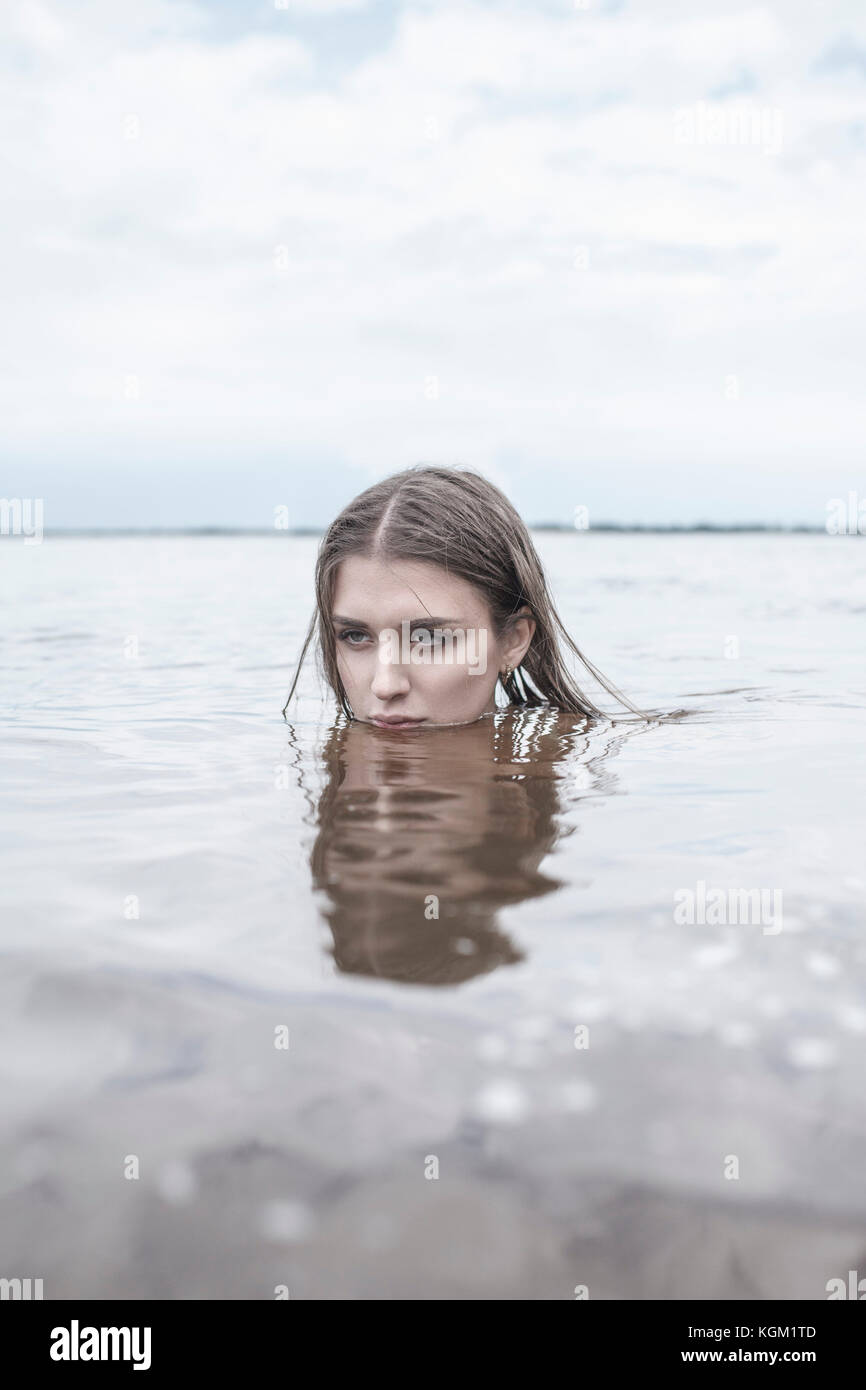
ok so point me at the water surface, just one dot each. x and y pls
(432, 921)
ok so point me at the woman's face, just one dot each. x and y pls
(416, 645)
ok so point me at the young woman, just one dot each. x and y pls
(430, 597)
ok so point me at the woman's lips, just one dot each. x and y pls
(394, 721)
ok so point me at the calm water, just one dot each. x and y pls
(612, 1096)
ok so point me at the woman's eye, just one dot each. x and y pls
(438, 637)
(353, 636)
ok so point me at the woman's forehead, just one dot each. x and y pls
(367, 586)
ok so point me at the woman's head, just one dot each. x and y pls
(429, 591)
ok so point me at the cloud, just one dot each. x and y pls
(320, 7)
(485, 240)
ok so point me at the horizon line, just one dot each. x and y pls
(656, 528)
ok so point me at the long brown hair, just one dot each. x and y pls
(457, 519)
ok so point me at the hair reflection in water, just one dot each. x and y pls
(423, 837)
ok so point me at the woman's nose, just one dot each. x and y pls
(390, 677)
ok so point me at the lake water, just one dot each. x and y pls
(241, 1052)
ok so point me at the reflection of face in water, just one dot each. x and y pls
(423, 837)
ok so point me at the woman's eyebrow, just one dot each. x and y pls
(436, 622)
(415, 622)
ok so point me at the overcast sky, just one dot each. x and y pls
(258, 255)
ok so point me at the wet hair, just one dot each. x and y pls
(456, 519)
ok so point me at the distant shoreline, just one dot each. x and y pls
(621, 528)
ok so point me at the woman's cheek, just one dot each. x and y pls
(459, 693)
(347, 668)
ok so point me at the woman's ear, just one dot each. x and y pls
(517, 637)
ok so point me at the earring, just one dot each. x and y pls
(507, 675)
